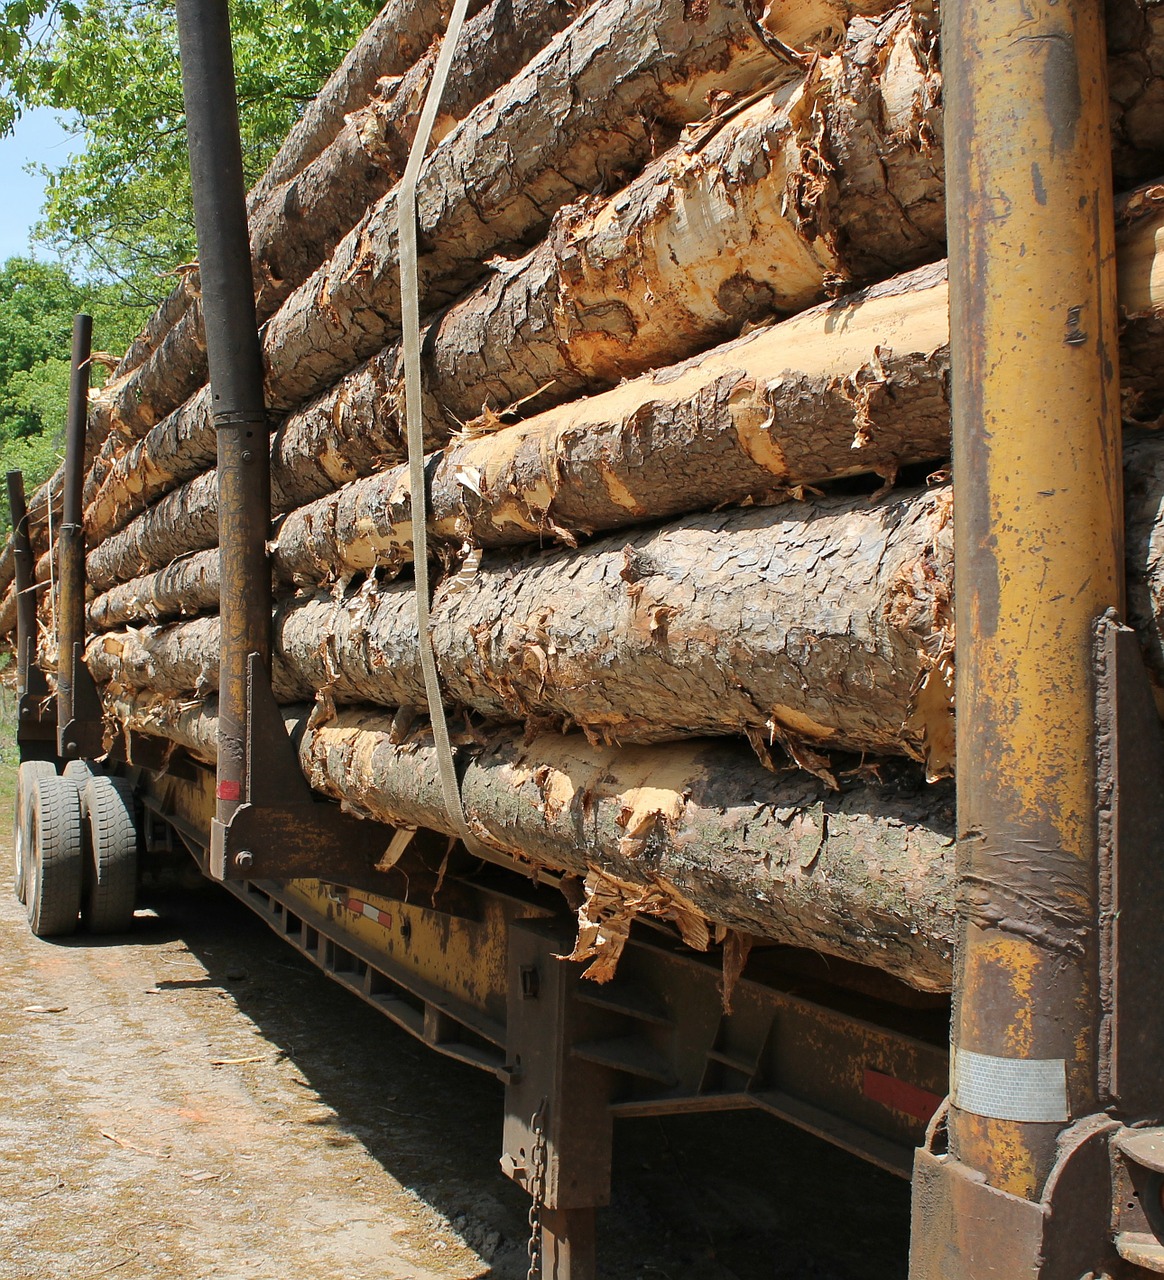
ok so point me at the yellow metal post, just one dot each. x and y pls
(1039, 558)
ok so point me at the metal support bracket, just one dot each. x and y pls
(965, 1229)
(1100, 1211)
(558, 1134)
(82, 736)
(280, 831)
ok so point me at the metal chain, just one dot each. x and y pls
(537, 1191)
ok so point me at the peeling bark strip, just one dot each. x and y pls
(867, 874)
(810, 622)
(862, 389)
(584, 110)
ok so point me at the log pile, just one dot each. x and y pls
(686, 358)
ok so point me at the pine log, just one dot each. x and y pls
(849, 387)
(174, 370)
(167, 314)
(300, 223)
(886, 326)
(184, 520)
(187, 587)
(585, 110)
(866, 874)
(1135, 42)
(396, 38)
(705, 240)
(398, 35)
(705, 627)
(722, 231)
(843, 389)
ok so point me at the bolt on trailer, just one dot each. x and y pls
(652, 803)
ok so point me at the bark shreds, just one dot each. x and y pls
(828, 393)
(866, 874)
(698, 628)
(579, 116)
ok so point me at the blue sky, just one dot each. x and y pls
(37, 137)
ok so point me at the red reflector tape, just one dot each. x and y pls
(229, 791)
(370, 912)
(900, 1095)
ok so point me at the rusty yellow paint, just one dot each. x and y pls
(1038, 527)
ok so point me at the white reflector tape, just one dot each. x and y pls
(1033, 1090)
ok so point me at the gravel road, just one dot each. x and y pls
(194, 1100)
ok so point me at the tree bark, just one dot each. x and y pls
(583, 112)
(396, 38)
(173, 372)
(299, 224)
(187, 587)
(845, 388)
(184, 520)
(849, 387)
(866, 874)
(867, 371)
(703, 242)
(705, 627)
(1135, 42)
(167, 314)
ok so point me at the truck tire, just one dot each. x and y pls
(110, 855)
(26, 778)
(56, 862)
(78, 773)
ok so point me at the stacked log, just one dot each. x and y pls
(685, 360)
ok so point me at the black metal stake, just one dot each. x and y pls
(36, 732)
(236, 383)
(79, 730)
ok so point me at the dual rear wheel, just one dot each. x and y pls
(76, 849)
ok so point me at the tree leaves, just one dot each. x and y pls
(121, 207)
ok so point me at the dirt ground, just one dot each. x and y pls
(196, 1101)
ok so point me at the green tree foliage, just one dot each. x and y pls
(119, 211)
(37, 303)
(121, 207)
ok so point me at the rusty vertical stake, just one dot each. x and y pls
(236, 382)
(24, 578)
(568, 1244)
(35, 709)
(1038, 528)
(71, 538)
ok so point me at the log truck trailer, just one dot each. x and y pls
(1027, 1109)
